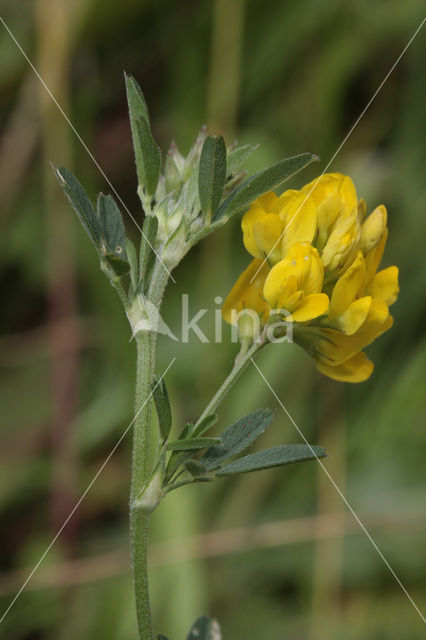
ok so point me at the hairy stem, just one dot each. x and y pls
(141, 462)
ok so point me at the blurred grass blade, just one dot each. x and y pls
(275, 457)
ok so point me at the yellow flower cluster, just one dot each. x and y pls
(316, 256)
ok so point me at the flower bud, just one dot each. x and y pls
(372, 229)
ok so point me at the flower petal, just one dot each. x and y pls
(384, 285)
(373, 228)
(247, 223)
(355, 369)
(374, 257)
(299, 221)
(280, 283)
(246, 294)
(267, 231)
(354, 316)
(309, 308)
(348, 287)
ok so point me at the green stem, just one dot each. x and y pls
(141, 462)
(240, 365)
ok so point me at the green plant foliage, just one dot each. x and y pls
(260, 183)
(162, 405)
(205, 424)
(113, 235)
(147, 254)
(192, 444)
(205, 628)
(212, 174)
(274, 457)
(132, 257)
(80, 203)
(237, 437)
(237, 158)
(149, 159)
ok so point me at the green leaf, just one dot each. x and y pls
(205, 628)
(119, 266)
(113, 235)
(161, 637)
(261, 182)
(112, 227)
(186, 431)
(137, 110)
(147, 153)
(275, 457)
(205, 424)
(147, 254)
(150, 158)
(132, 257)
(80, 203)
(195, 468)
(238, 437)
(237, 157)
(162, 405)
(211, 174)
(135, 99)
(192, 444)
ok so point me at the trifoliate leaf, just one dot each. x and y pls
(261, 182)
(275, 457)
(237, 437)
(211, 174)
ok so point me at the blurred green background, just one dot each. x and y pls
(273, 555)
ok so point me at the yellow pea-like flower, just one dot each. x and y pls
(294, 284)
(317, 256)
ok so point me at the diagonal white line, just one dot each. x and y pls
(82, 142)
(341, 495)
(339, 148)
(83, 496)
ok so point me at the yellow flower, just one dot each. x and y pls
(294, 285)
(316, 260)
(272, 225)
(247, 293)
(358, 314)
